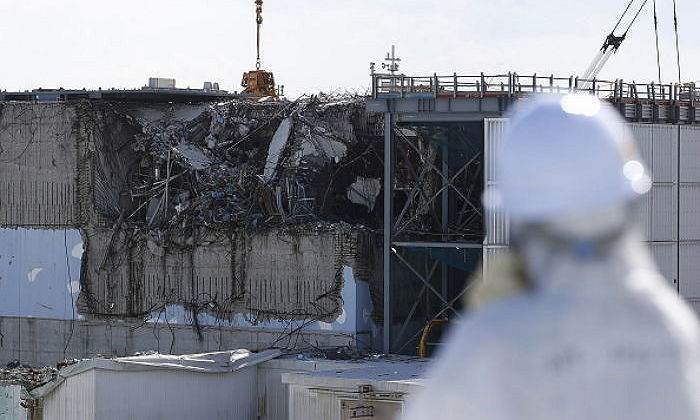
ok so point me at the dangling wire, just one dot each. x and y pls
(656, 34)
(258, 21)
(678, 53)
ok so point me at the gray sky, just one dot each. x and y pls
(314, 45)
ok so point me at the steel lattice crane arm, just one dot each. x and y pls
(612, 42)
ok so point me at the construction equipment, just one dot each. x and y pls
(259, 82)
(611, 44)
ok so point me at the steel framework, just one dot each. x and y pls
(434, 151)
(433, 223)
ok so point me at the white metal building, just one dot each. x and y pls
(235, 384)
(668, 216)
(370, 390)
(221, 385)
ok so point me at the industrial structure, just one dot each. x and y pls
(440, 136)
(157, 90)
(112, 189)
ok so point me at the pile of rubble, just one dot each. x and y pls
(27, 376)
(245, 164)
(188, 205)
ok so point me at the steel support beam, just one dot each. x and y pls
(445, 201)
(388, 224)
(458, 245)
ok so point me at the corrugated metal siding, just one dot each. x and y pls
(656, 214)
(690, 211)
(274, 395)
(173, 395)
(664, 162)
(317, 404)
(663, 213)
(154, 394)
(497, 225)
(690, 154)
(644, 139)
(642, 215)
(74, 399)
(689, 249)
(307, 404)
(664, 254)
(689, 269)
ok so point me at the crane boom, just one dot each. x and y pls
(611, 44)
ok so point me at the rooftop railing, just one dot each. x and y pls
(515, 85)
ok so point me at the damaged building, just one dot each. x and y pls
(194, 227)
(185, 227)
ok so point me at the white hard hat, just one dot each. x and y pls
(564, 155)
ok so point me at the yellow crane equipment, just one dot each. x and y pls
(259, 82)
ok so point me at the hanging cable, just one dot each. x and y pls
(656, 34)
(258, 21)
(622, 15)
(678, 53)
(610, 45)
(678, 156)
(635, 17)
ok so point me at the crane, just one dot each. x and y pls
(259, 82)
(611, 43)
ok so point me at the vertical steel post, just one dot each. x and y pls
(454, 85)
(445, 202)
(388, 224)
(483, 84)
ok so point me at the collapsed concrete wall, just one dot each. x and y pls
(232, 209)
(271, 274)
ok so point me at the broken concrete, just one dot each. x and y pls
(277, 145)
(365, 191)
(182, 206)
(277, 274)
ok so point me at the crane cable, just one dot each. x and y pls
(622, 15)
(678, 53)
(611, 44)
(635, 17)
(258, 21)
(656, 34)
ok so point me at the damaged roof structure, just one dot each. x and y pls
(255, 220)
(191, 200)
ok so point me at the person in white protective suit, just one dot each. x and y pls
(595, 332)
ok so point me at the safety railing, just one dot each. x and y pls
(514, 85)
